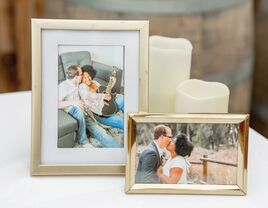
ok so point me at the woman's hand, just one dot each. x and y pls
(159, 170)
(164, 160)
(107, 97)
(79, 103)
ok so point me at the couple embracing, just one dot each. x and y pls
(154, 168)
(78, 93)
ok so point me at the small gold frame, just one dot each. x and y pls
(101, 25)
(237, 189)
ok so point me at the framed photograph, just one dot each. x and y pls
(187, 154)
(86, 76)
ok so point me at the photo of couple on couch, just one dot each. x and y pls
(90, 102)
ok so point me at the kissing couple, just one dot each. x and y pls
(154, 168)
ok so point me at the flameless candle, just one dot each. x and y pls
(197, 96)
(169, 65)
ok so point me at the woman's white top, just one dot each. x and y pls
(93, 100)
(177, 162)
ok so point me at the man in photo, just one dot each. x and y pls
(70, 101)
(152, 157)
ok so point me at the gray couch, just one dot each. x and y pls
(67, 125)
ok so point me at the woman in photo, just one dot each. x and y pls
(176, 168)
(96, 101)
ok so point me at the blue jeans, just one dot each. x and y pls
(79, 115)
(100, 134)
(114, 120)
(119, 100)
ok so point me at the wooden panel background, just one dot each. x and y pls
(222, 39)
(15, 42)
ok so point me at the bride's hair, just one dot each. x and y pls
(90, 70)
(183, 146)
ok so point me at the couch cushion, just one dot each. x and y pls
(80, 58)
(61, 73)
(66, 141)
(101, 81)
(67, 124)
(104, 72)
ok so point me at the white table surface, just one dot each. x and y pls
(19, 189)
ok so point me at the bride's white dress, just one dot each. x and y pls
(180, 162)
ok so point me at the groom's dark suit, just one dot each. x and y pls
(149, 161)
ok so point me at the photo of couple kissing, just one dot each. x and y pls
(154, 168)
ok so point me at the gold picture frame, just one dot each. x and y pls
(239, 188)
(39, 167)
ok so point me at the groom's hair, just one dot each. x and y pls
(183, 146)
(159, 130)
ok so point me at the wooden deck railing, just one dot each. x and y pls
(205, 160)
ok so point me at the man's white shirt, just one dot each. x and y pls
(160, 151)
(68, 91)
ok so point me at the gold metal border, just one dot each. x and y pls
(37, 26)
(238, 189)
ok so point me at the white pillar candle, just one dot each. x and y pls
(197, 96)
(169, 65)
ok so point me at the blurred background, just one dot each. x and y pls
(228, 40)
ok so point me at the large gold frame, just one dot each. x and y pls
(237, 189)
(37, 26)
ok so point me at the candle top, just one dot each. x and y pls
(168, 43)
(199, 89)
